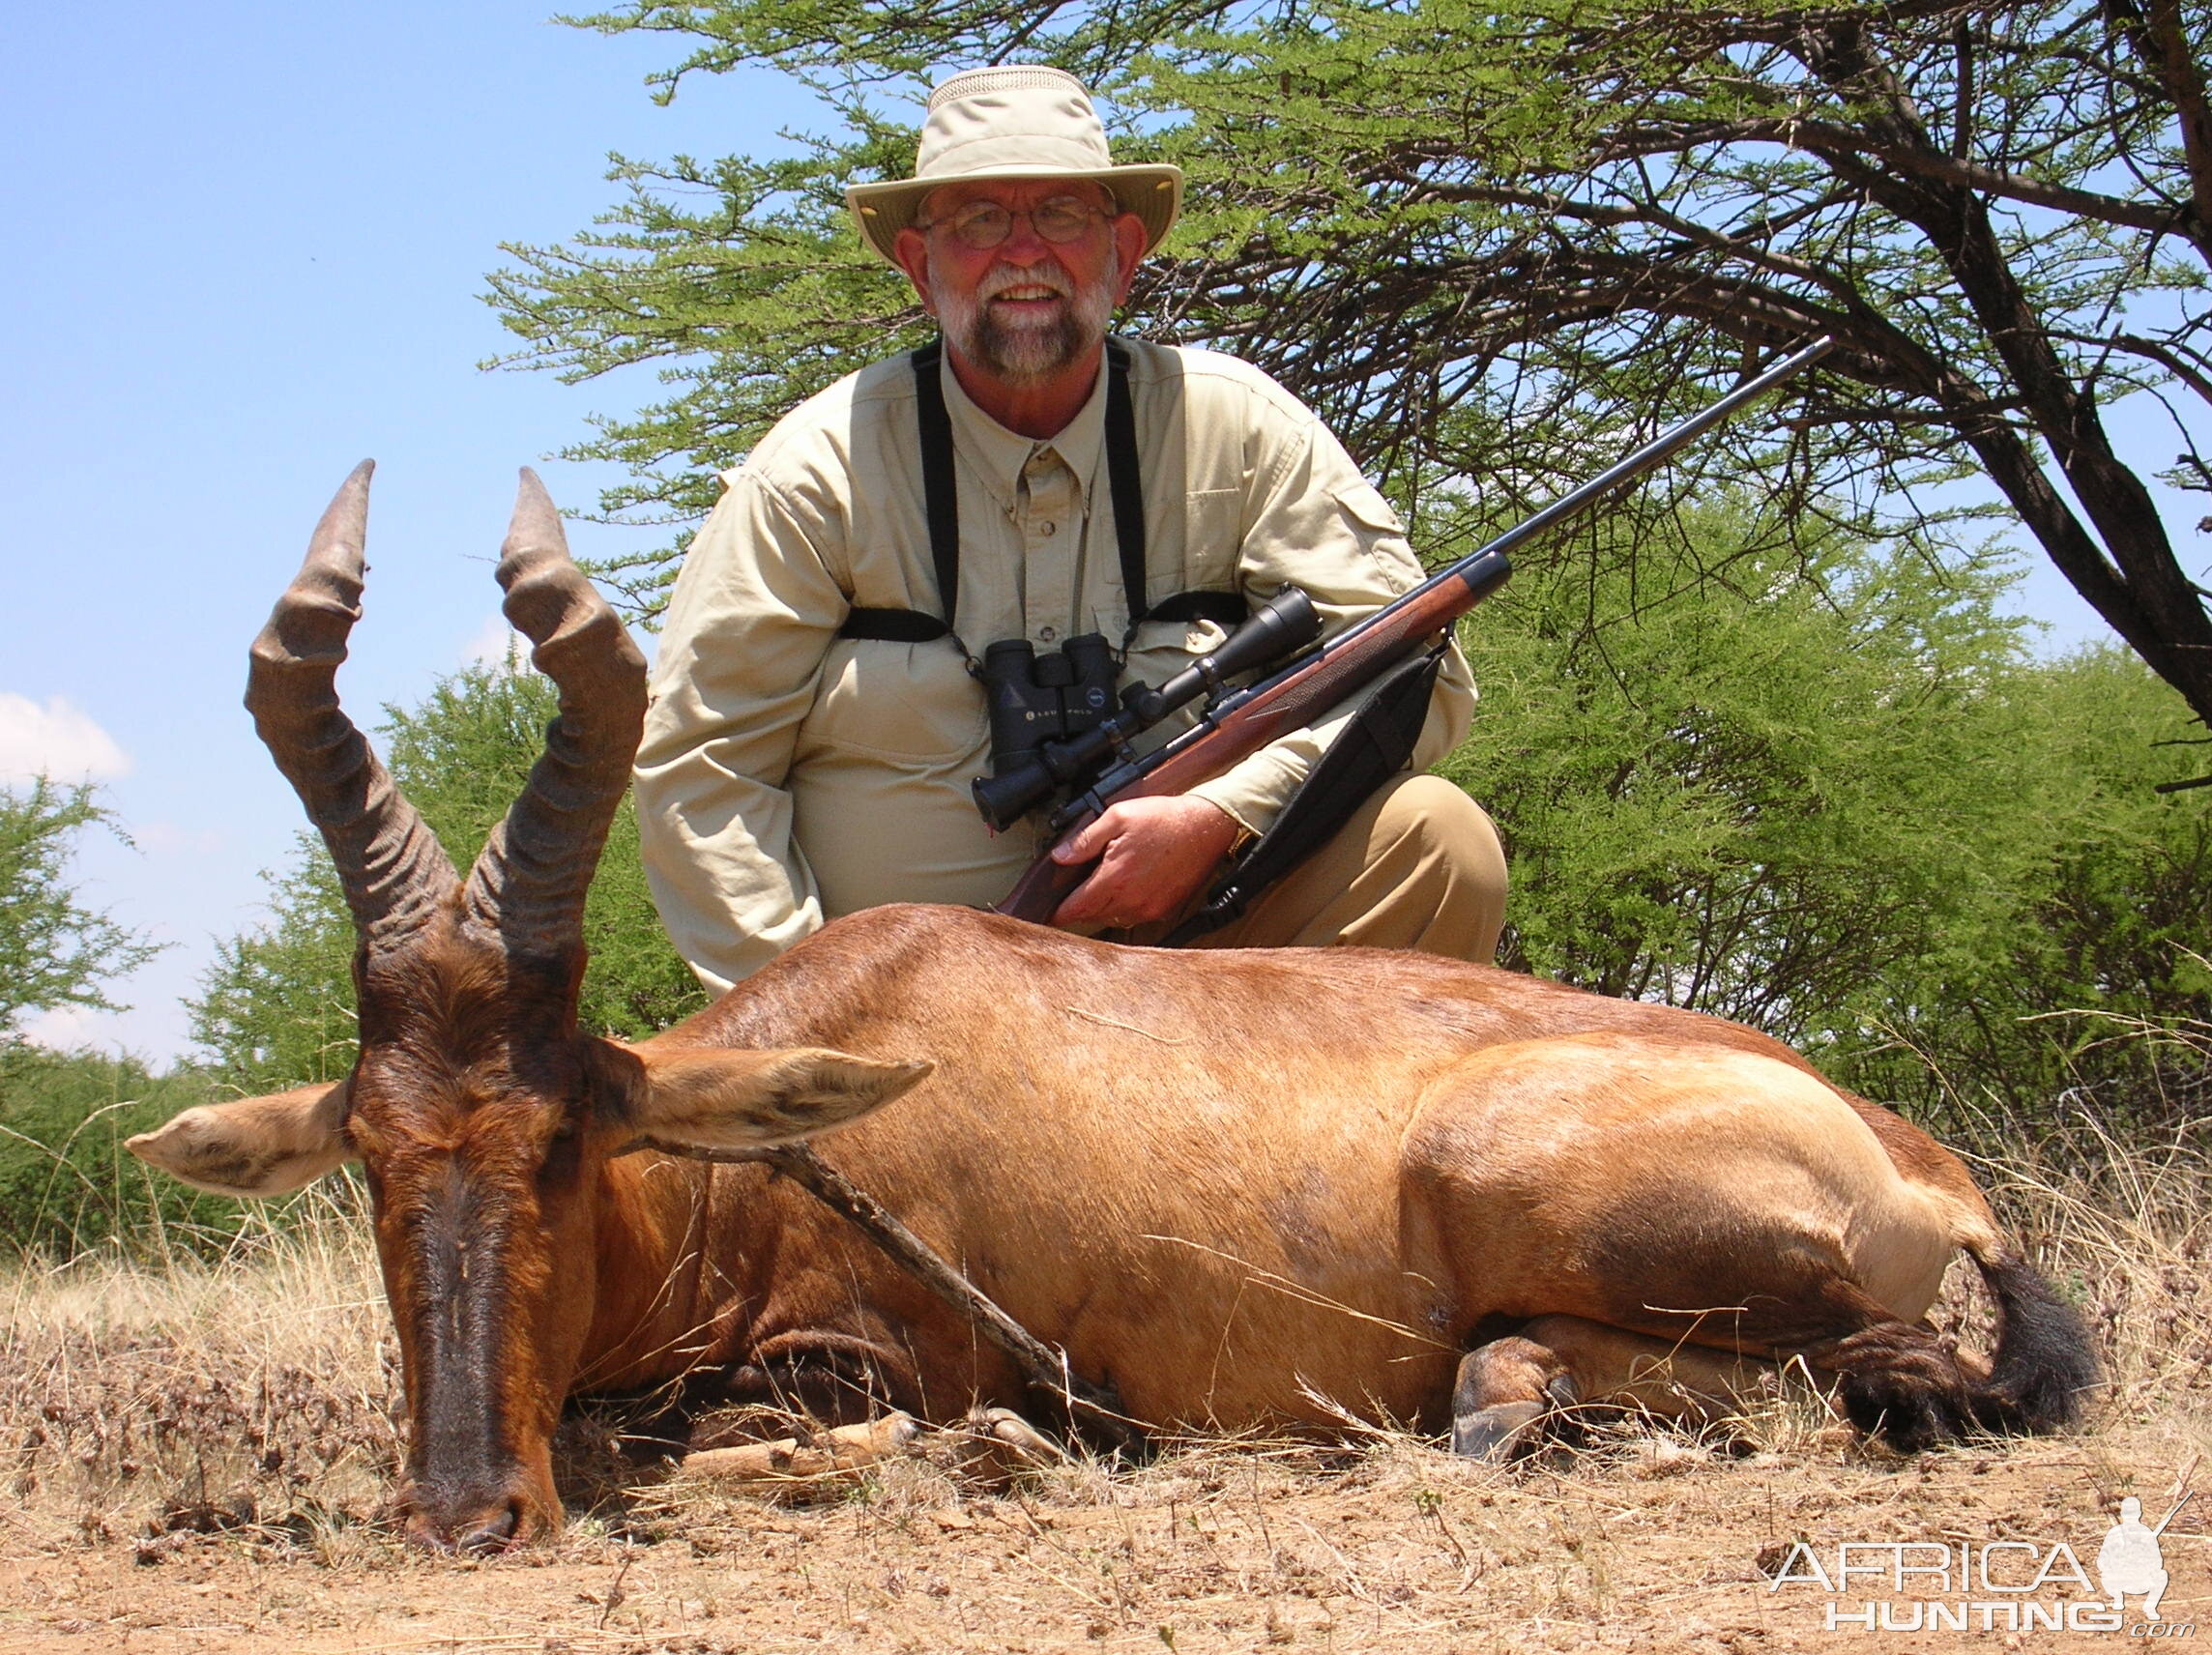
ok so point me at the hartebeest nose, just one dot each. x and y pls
(493, 1533)
(474, 1531)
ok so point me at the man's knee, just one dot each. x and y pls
(1418, 866)
(1429, 819)
(1441, 850)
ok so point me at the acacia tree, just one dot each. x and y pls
(1486, 244)
(2001, 212)
(54, 951)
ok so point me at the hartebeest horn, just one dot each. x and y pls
(531, 879)
(391, 865)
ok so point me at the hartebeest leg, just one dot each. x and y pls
(1507, 1386)
(1503, 1390)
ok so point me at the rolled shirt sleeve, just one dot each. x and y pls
(741, 659)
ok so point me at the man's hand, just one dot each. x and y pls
(1152, 854)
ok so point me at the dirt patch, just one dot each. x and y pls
(1639, 1541)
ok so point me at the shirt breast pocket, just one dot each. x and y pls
(910, 704)
(1214, 534)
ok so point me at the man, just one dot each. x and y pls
(815, 722)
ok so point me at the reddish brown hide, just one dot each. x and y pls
(1235, 1187)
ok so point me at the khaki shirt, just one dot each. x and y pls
(788, 775)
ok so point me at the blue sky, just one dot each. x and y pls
(246, 244)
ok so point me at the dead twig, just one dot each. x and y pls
(1046, 1366)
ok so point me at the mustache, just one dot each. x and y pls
(1000, 277)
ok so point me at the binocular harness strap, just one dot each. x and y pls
(940, 506)
(1123, 484)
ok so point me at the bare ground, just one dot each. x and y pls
(1649, 1544)
(198, 1458)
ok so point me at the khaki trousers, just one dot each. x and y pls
(1418, 867)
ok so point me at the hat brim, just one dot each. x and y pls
(881, 211)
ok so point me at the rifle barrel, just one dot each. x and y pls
(1662, 447)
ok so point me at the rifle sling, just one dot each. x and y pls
(1370, 749)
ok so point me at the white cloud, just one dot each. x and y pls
(66, 1027)
(494, 642)
(58, 740)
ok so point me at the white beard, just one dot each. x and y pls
(1018, 351)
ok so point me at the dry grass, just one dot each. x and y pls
(234, 1423)
(191, 1394)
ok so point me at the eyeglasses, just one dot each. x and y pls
(985, 224)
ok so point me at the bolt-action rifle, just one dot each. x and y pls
(1237, 723)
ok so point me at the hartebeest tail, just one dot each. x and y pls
(2044, 1367)
(1907, 1385)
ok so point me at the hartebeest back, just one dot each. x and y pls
(1233, 1187)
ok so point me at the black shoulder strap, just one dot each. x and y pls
(1126, 481)
(1225, 609)
(941, 505)
(1122, 480)
(940, 498)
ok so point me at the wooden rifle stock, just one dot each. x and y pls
(1243, 721)
(1270, 709)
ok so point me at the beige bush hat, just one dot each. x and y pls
(1022, 121)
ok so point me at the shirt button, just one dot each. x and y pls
(1046, 634)
(1048, 529)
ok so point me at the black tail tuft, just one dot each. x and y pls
(2046, 1365)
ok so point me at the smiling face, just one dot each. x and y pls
(1027, 313)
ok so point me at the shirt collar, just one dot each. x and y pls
(1000, 454)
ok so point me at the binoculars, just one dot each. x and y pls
(1035, 699)
(1054, 718)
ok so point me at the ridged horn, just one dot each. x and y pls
(530, 883)
(391, 865)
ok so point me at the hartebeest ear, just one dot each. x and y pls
(254, 1146)
(737, 1100)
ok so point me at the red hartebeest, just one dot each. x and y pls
(1228, 1184)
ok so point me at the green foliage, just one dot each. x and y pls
(67, 1184)
(54, 952)
(1827, 793)
(277, 1009)
(1482, 243)
(1729, 775)
(2098, 993)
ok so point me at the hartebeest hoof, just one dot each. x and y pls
(1502, 1432)
(997, 1444)
(847, 1449)
(1504, 1391)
